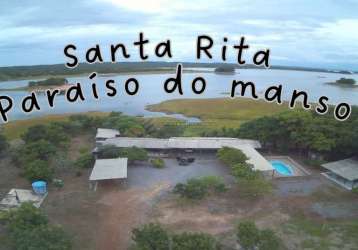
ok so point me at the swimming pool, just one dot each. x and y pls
(282, 168)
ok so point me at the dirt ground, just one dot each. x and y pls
(104, 219)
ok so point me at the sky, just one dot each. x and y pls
(319, 33)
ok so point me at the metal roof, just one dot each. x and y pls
(347, 168)
(107, 133)
(256, 159)
(105, 169)
(246, 146)
(181, 142)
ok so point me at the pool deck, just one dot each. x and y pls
(297, 169)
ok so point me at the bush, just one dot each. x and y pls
(108, 152)
(194, 241)
(28, 229)
(158, 163)
(268, 240)
(134, 154)
(85, 161)
(151, 236)
(250, 237)
(38, 170)
(231, 156)
(198, 188)
(248, 234)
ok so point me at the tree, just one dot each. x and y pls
(248, 234)
(4, 145)
(28, 229)
(250, 237)
(244, 171)
(38, 170)
(231, 156)
(85, 161)
(26, 217)
(268, 240)
(198, 188)
(38, 150)
(134, 154)
(194, 241)
(151, 237)
(108, 152)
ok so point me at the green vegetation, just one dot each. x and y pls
(198, 188)
(322, 235)
(225, 69)
(217, 113)
(154, 236)
(231, 156)
(86, 160)
(28, 228)
(346, 81)
(53, 81)
(158, 163)
(250, 181)
(250, 237)
(4, 145)
(306, 133)
(133, 153)
(26, 72)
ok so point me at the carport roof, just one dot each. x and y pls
(181, 142)
(107, 133)
(347, 168)
(106, 169)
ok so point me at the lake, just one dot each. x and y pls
(151, 91)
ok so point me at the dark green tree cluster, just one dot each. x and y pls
(346, 81)
(305, 132)
(53, 81)
(28, 229)
(198, 188)
(251, 181)
(41, 145)
(133, 154)
(155, 237)
(250, 237)
(127, 125)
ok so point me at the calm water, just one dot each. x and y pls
(151, 91)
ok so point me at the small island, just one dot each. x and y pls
(225, 69)
(43, 85)
(344, 82)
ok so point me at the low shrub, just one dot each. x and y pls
(85, 161)
(198, 188)
(157, 163)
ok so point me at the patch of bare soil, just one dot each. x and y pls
(120, 211)
(218, 214)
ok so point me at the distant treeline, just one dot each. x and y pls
(25, 72)
(53, 81)
(302, 132)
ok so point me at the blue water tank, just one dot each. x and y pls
(39, 187)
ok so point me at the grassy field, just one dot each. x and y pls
(218, 112)
(15, 129)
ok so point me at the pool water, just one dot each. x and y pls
(282, 168)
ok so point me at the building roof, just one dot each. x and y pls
(181, 142)
(247, 146)
(107, 133)
(347, 168)
(106, 169)
(256, 159)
